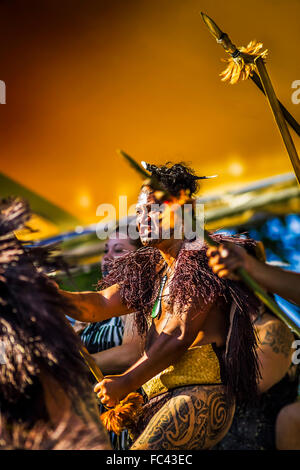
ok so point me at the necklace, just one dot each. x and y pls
(157, 304)
(156, 310)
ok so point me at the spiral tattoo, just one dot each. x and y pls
(194, 418)
(218, 413)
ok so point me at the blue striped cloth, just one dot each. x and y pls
(103, 335)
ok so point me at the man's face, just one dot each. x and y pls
(157, 217)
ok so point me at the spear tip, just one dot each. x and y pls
(213, 28)
(133, 164)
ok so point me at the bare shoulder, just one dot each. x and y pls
(273, 333)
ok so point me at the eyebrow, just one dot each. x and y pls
(119, 244)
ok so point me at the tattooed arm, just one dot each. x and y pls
(96, 306)
(274, 352)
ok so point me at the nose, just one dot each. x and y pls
(145, 217)
(140, 218)
(106, 258)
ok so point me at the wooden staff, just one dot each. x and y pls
(243, 63)
(125, 414)
(279, 118)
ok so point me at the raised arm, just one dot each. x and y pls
(228, 257)
(96, 306)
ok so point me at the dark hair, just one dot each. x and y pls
(175, 177)
(33, 328)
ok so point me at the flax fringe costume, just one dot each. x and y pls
(38, 345)
(235, 365)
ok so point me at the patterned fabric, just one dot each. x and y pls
(103, 335)
(198, 365)
(98, 337)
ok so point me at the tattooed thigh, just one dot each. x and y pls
(195, 417)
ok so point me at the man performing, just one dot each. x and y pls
(200, 344)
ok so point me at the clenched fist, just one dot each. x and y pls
(111, 390)
(226, 258)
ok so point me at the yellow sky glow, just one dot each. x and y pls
(86, 78)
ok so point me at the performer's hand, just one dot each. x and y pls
(111, 390)
(226, 258)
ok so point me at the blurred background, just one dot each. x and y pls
(86, 77)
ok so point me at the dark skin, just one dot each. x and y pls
(275, 338)
(225, 259)
(170, 335)
(117, 359)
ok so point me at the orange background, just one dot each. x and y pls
(85, 77)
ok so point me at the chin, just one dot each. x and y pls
(150, 241)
